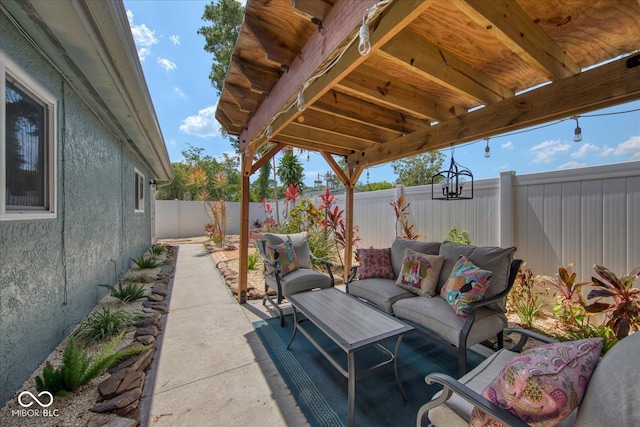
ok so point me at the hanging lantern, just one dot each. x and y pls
(456, 183)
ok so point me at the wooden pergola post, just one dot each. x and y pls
(244, 230)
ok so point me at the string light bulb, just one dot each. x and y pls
(364, 47)
(300, 103)
(487, 149)
(269, 133)
(577, 133)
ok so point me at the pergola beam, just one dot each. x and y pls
(597, 88)
(512, 26)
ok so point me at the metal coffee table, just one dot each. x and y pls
(352, 325)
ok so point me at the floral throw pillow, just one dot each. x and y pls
(376, 263)
(420, 272)
(467, 283)
(287, 259)
(543, 385)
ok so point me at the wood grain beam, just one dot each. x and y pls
(246, 100)
(311, 145)
(279, 46)
(309, 9)
(433, 63)
(317, 119)
(349, 107)
(335, 167)
(340, 25)
(329, 138)
(369, 84)
(237, 117)
(260, 77)
(601, 87)
(266, 157)
(510, 24)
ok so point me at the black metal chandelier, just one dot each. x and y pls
(452, 184)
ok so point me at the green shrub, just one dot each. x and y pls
(156, 249)
(104, 324)
(322, 246)
(78, 368)
(131, 292)
(252, 260)
(585, 330)
(456, 236)
(149, 262)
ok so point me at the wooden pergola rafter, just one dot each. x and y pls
(440, 73)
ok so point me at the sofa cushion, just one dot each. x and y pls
(419, 273)
(466, 284)
(399, 245)
(612, 396)
(543, 385)
(381, 292)
(376, 263)
(285, 256)
(494, 259)
(437, 316)
(300, 243)
(299, 281)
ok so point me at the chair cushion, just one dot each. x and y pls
(436, 315)
(494, 259)
(299, 281)
(376, 263)
(419, 272)
(543, 385)
(612, 396)
(381, 292)
(285, 255)
(466, 284)
(300, 243)
(399, 245)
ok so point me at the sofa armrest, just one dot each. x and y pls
(451, 386)
(525, 334)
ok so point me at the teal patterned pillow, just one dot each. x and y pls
(467, 283)
(287, 259)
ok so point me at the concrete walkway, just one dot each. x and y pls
(211, 368)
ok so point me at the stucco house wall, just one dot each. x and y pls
(50, 268)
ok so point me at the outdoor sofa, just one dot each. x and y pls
(395, 290)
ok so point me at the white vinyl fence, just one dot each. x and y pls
(584, 216)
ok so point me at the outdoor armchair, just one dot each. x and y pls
(288, 267)
(611, 396)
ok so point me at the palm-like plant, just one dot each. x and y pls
(623, 312)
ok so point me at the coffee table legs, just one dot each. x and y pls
(351, 391)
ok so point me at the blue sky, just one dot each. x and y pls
(176, 68)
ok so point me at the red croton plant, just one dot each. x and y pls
(623, 313)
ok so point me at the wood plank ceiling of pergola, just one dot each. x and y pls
(439, 72)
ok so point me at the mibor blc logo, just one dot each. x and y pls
(42, 401)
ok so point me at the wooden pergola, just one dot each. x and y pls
(438, 73)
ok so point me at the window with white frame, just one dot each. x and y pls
(139, 191)
(28, 146)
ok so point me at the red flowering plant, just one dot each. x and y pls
(291, 196)
(623, 309)
(335, 222)
(268, 215)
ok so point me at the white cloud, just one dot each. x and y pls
(180, 92)
(143, 52)
(507, 145)
(547, 151)
(584, 150)
(175, 40)
(203, 124)
(571, 165)
(166, 64)
(630, 147)
(607, 151)
(142, 36)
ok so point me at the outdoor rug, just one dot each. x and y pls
(321, 391)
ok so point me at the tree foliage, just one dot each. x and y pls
(290, 171)
(220, 37)
(375, 186)
(418, 170)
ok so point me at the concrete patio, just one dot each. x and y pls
(211, 367)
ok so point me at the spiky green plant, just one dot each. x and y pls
(586, 330)
(322, 246)
(157, 249)
(129, 293)
(252, 260)
(149, 262)
(78, 368)
(104, 324)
